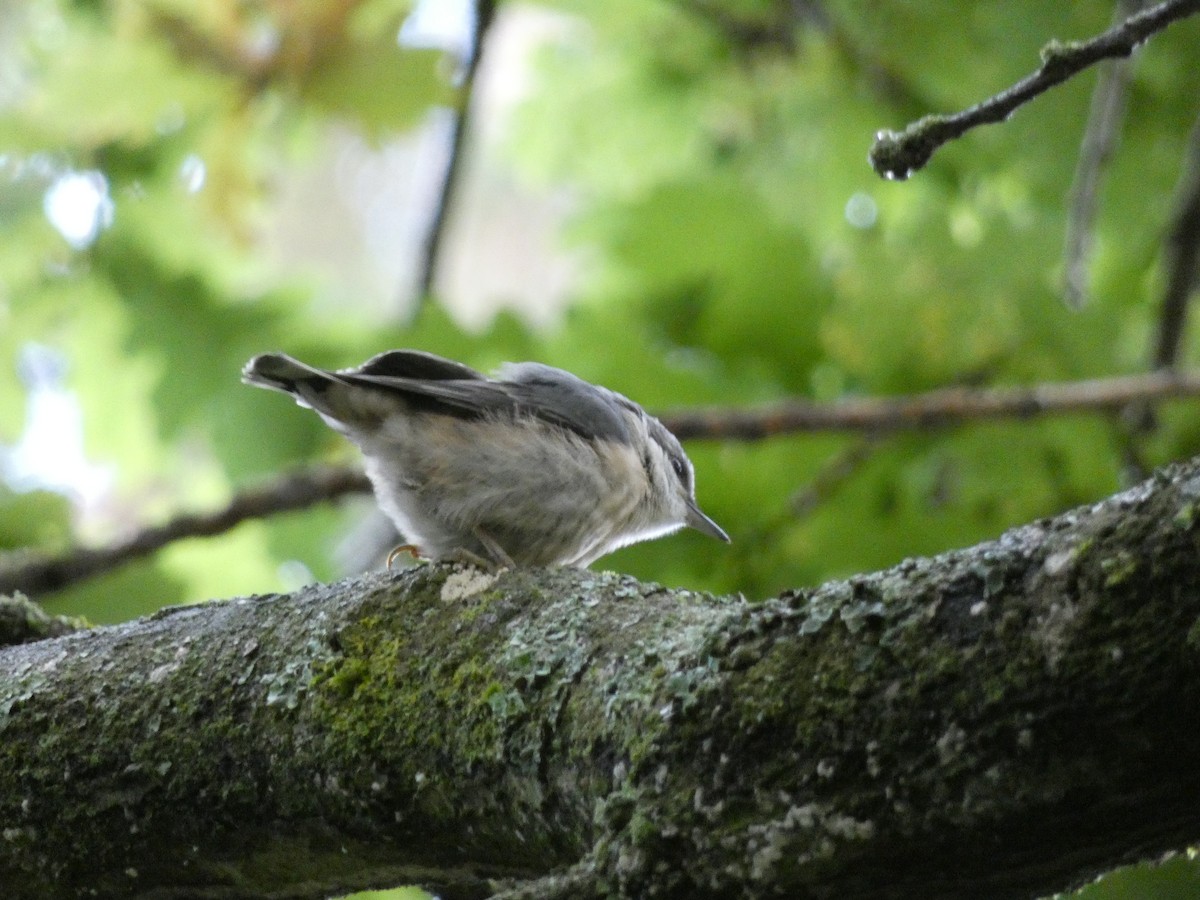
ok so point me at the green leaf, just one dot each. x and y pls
(92, 88)
(378, 84)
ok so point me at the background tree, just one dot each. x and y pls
(731, 247)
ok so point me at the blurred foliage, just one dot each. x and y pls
(740, 250)
(1175, 879)
(397, 894)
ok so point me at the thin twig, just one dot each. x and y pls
(297, 490)
(1099, 142)
(940, 408)
(1181, 260)
(1182, 252)
(431, 246)
(836, 471)
(897, 155)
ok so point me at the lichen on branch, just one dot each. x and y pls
(1002, 718)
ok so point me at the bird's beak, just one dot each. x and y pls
(702, 523)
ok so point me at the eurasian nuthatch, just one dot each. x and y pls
(534, 467)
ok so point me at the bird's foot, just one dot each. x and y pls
(499, 558)
(464, 557)
(403, 548)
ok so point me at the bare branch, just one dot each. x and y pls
(940, 408)
(1182, 253)
(1099, 141)
(836, 471)
(431, 248)
(819, 489)
(296, 490)
(897, 155)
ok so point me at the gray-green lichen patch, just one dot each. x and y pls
(1055, 629)
(22, 621)
(465, 583)
(804, 834)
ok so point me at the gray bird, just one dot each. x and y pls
(534, 467)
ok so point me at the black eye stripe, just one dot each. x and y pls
(680, 468)
(671, 450)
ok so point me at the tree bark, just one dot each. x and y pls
(1002, 721)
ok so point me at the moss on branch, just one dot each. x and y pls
(1006, 718)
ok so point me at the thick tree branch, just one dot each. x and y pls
(1002, 721)
(897, 155)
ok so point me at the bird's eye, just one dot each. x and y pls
(680, 468)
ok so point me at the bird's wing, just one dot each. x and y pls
(570, 402)
(523, 390)
(415, 364)
(438, 385)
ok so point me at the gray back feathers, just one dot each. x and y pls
(436, 385)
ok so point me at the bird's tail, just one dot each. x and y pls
(337, 397)
(308, 385)
(280, 372)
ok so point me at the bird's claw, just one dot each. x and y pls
(403, 548)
